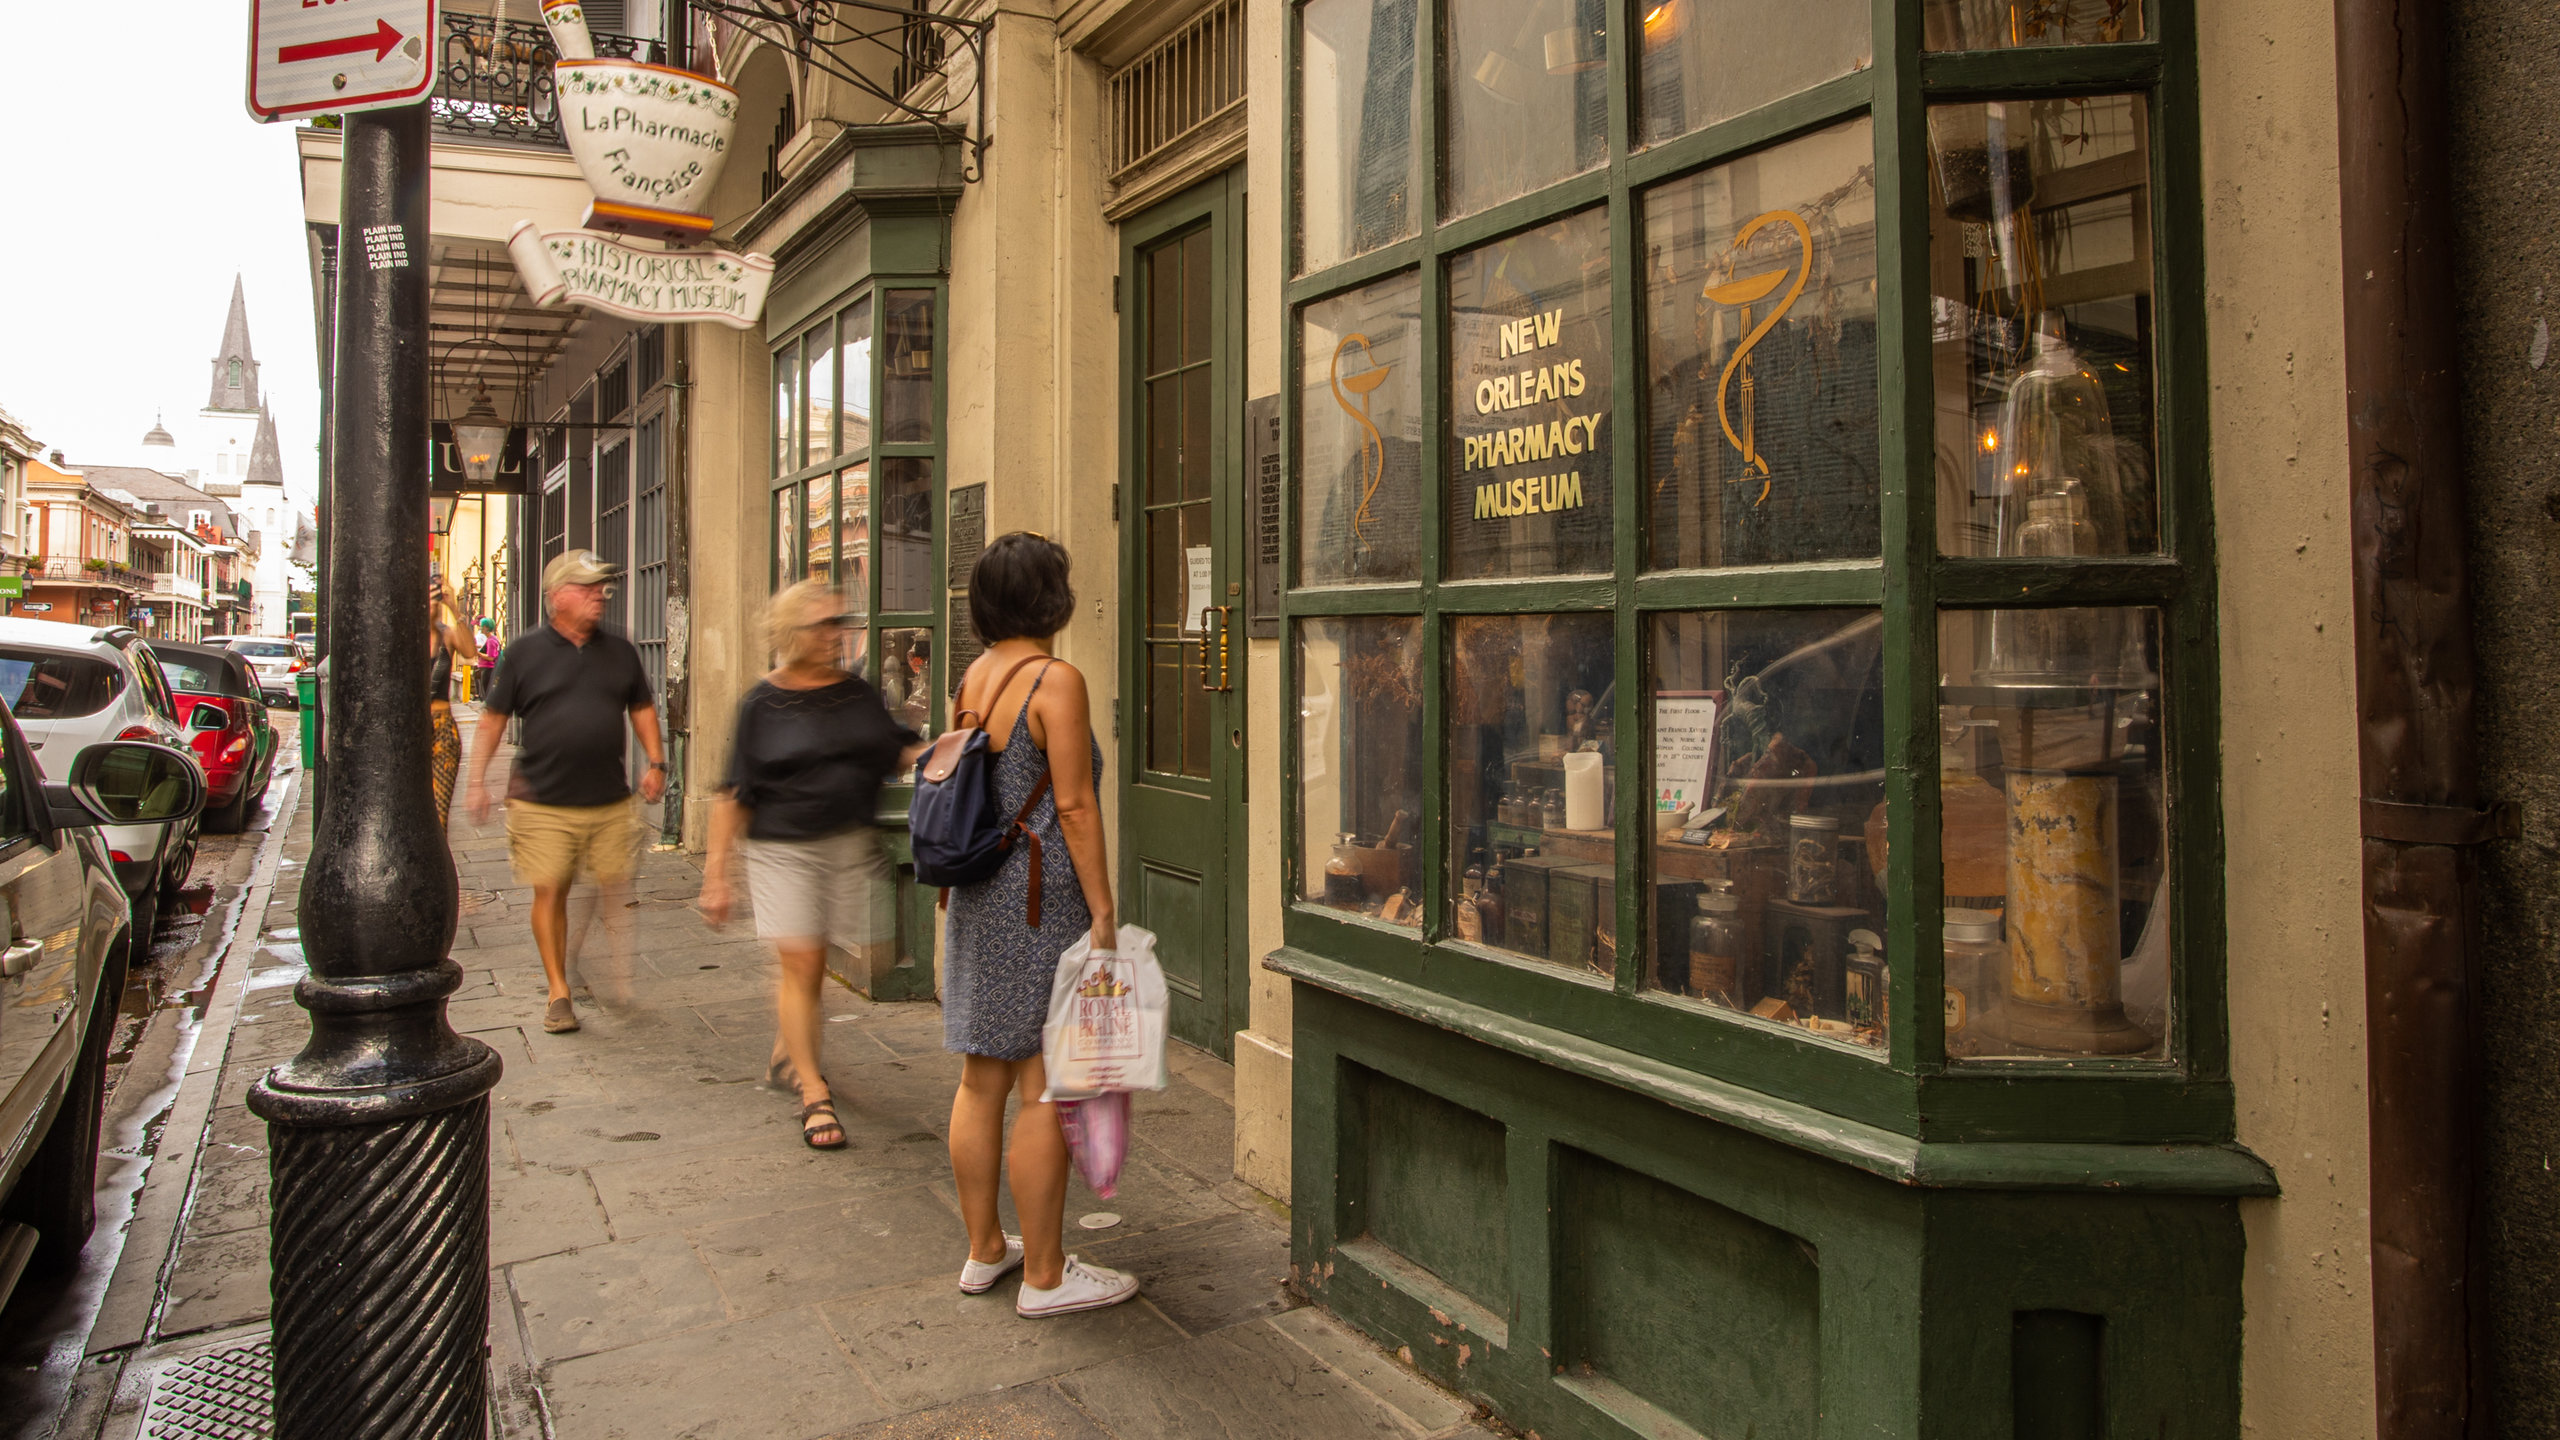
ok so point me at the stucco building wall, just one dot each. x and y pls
(2290, 818)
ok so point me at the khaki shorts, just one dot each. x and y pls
(550, 844)
(836, 888)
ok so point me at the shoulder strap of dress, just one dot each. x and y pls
(961, 720)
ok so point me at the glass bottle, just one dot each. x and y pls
(1716, 945)
(1866, 980)
(1552, 812)
(1976, 968)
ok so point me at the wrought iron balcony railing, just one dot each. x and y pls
(493, 84)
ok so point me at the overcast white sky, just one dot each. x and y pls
(135, 187)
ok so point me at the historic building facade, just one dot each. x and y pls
(1725, 636)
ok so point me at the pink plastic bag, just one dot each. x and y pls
(1098, 1138)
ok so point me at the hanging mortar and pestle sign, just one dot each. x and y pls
(651, 141)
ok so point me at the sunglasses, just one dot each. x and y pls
(833, 622)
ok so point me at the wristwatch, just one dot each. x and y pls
(657, 764)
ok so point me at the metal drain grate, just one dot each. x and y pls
(221, 1395)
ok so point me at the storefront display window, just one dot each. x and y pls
(1528, 96)
(2040, 265)
(1707, 61)
(859, 510)
(1356, 100)
(1360, 435)
(1530, 347)
(1533, 756)
(1898, 363)
(1766, 788)
(2053, 838)
(2007, 24)
(1760, 347)
(1360, 766)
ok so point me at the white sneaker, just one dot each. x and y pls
(1080, 1287)
(978, 1277)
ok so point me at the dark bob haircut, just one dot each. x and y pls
(1019, 589)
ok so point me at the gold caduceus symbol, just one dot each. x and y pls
(1373, 446)
(1744, 293)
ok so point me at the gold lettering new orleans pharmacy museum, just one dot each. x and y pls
(1744, 293)
(1531, 443)
(1373, 446)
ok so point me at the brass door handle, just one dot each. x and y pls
(20, 958)
(1224, 626)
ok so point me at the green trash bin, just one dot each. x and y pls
(306, 698)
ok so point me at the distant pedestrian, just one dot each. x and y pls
(447, 641)
(484, 667)
(569, 805)
(813, 744)
(1001, 946)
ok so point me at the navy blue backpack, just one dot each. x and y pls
(952, 825)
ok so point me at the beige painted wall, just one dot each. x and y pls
(2289, 750)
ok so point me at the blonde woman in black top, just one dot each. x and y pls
(813, 744)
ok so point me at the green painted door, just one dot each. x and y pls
(1182, 516)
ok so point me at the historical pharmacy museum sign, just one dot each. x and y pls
(1529, 379)
(603, 273)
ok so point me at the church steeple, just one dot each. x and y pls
(235, 370)
(266, 458)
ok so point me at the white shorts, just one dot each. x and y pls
(836, 888)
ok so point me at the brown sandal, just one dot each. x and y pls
(814, 1135)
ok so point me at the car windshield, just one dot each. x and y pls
(44, 685)
(264, 649)
(195, 676)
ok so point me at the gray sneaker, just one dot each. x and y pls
(561, 1018)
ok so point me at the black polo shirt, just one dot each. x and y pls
(572, 699)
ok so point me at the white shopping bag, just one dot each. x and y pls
(1107, 1016)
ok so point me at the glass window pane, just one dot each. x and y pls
(1529, 367)
(1360, 765)
(1196, 272)
(1360, 435)
(1532, 779)
(853, 485)
(1164, 440)
(1528, 89)
(786, 410)
(1164, 308)
(1767, 786)
(1357, 111)
(2053, 842)
(819, 394)
(2041, 284)
(1760, 348)
(819, 518)
(1165, 676)
(2004, 24)
(1197, 454)
(786, 536)
(853, 345)
(906, 367)
(906, 534)
(1710, 60)
(906, 677)
(1166, 578)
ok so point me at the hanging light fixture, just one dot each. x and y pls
(480, 438)
(440, 513)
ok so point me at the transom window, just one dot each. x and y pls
(1751, 600)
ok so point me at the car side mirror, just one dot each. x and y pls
(128, 782)
(207, 717)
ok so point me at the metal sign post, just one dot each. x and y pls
(340, 57)
(379, 1130)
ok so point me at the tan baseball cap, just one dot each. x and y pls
(578, 567)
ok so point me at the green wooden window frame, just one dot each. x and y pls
(1916, 1092)
(790, 350)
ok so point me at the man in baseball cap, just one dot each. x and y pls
(569, 804)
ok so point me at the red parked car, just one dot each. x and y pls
(227, 727)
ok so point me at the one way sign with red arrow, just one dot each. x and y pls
(310, 57)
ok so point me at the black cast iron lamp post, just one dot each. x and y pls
(379, 1130)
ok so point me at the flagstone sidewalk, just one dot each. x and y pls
(668, 1260)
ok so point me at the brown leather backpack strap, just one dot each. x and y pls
(1022, 826)
(944, 753)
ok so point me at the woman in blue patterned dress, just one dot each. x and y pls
(1001, 947)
